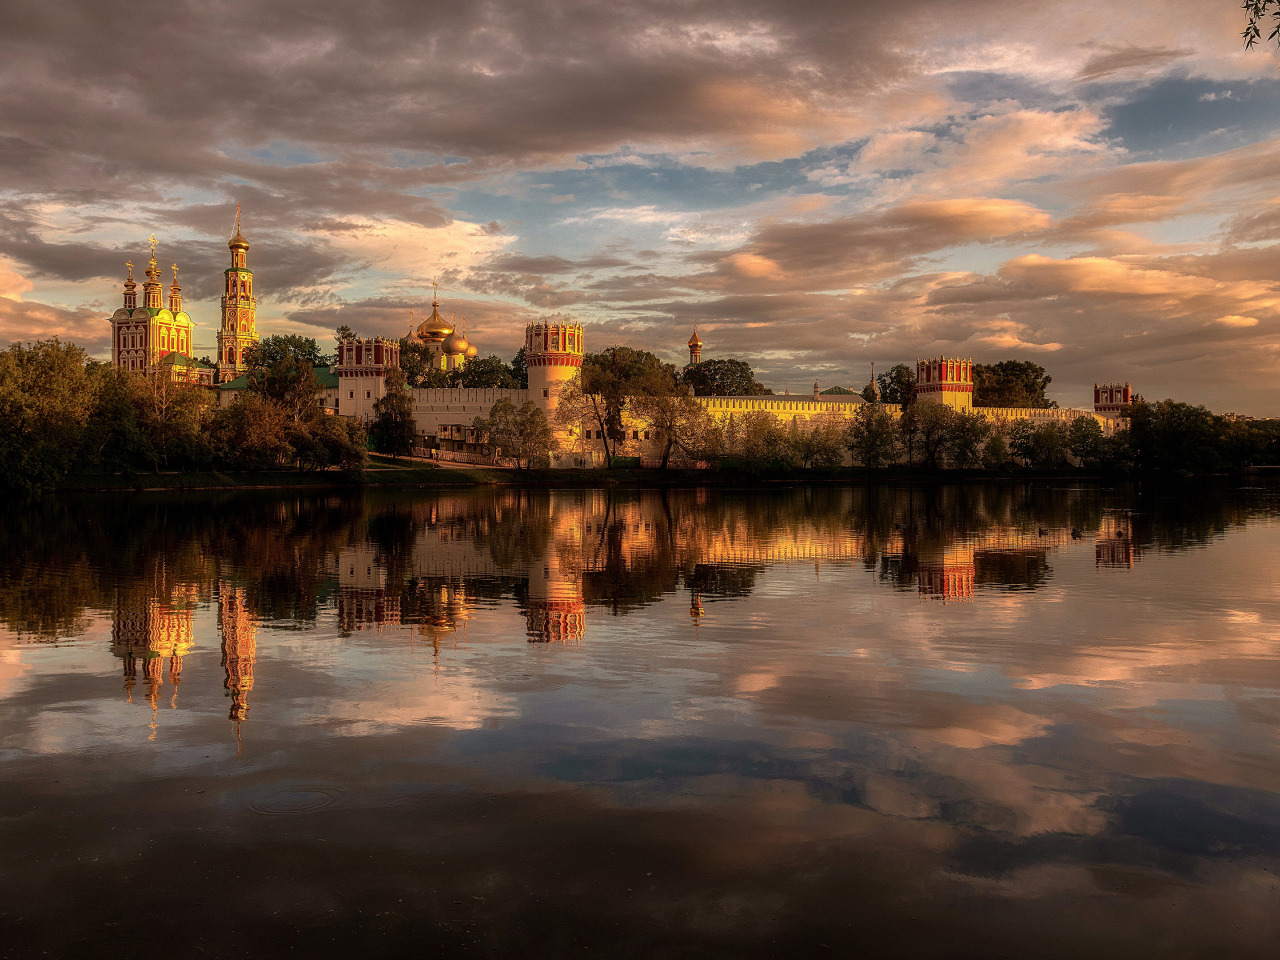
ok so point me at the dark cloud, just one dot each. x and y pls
(1110, 60)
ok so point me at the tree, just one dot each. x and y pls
(282, 369)
(759, 440)
(1175, 437)
(487, 373)
(898, 386)
(927, 424)
(724, 378)
(271, 350)
(822, 444)
(1085, 441)
(343, 332)
(45, 401)
(252, 434)
(1011, 383)
(521, 434)
(872, 436)
(965, 437)
(394, 428)
(520, 369)
(678, 422)
(596, 397)
(1257, 11)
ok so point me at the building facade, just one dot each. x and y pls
(148, 336)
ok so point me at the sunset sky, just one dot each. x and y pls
(819, 185)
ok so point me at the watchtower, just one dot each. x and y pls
(946, 380)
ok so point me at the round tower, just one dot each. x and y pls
(553, 353)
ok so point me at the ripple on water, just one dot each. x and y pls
(287, 801)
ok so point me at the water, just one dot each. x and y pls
(891, 722)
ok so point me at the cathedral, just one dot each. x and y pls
(446, 347)
(153, 338)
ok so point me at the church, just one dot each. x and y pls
(155, 339)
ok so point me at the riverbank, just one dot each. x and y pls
(385, 472)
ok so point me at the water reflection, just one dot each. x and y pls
(970, 705)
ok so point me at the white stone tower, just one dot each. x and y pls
(553, 353)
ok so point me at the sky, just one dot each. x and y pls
(818, 186)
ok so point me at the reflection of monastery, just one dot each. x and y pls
(562, 556)
(153, 338)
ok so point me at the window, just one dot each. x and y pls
(635, 434)
(544, 394)
(368, 395)
(646, 434)
(351, 394)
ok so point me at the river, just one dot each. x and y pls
(901, 721)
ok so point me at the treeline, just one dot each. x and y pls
(63, 414)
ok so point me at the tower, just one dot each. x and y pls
(553, 352)
(946, 380)
(1112, 399)
(239, 329)
(695, 348)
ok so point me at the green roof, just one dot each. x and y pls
(838, 391)
(326, 376)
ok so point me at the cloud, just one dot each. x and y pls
(1111, 60)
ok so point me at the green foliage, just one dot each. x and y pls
(1085, 441)
(282, 369)
(270, 351)
(872, 436)
(897, 386)
(724, 378)
(597, 396)
(252, 434)
(965, 439)
(1042, 446)
(520, 369)
(487, 373)
(822, 444)
(1256, 12)
(758, 441)
(46, 398)
(678, 422)
(520, 434)
(995, 452)
(394, 428)
(926, 427)
(1173, 437)
(1011, 383)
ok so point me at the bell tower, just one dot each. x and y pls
(239, 329)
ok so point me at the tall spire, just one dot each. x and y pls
(130, 288)
(151, 289)
(175, 293)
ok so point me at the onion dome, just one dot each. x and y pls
(472, 352)
(435, 327)
(455, 344)
(694, 341)
(238, 241)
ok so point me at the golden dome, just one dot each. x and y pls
(472, 352)
(694, 341)
(435, 327)
(455, 344)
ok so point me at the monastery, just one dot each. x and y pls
(158, 339)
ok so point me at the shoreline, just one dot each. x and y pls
(427, 476)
